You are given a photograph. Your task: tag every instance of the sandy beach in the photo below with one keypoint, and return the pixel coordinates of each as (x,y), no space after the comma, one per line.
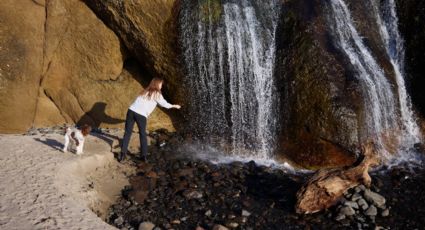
(43,188)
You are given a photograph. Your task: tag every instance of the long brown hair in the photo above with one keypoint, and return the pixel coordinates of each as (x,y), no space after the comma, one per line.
(154,88)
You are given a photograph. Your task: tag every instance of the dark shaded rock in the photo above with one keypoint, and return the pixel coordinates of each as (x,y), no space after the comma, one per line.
(320,119)
(139,195)
(411,15)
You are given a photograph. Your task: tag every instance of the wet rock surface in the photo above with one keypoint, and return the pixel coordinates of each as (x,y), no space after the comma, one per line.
(175,192)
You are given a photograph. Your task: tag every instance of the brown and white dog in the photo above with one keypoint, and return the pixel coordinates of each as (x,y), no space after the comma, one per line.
(77,136)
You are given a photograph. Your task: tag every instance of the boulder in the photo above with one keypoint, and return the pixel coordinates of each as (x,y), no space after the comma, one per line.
(319,101)
(323,103)
(149,31)
(65,66)
(21,61)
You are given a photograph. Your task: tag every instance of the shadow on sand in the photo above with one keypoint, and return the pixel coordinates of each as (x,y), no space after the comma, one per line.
(51,142)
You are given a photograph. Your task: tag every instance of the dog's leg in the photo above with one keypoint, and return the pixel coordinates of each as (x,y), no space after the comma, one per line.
(80,146)
(65,147)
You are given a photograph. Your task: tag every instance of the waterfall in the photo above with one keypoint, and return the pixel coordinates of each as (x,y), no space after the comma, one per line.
(228,51)
(385,113)
(388,28)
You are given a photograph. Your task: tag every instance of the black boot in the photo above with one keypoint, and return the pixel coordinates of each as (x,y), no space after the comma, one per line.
(144,158)
(121,157)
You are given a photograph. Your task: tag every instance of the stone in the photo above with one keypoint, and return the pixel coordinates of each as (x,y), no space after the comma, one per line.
(347,211)
(371,211)
(356,196)
(208,213)
(146,226)
(362,203)
(152,174)
(352,204)
(232,225)
(219,227)
(385,212)
(245,213)
(119,221)
(192,194)
(175,222)
(340,217)
(374,198)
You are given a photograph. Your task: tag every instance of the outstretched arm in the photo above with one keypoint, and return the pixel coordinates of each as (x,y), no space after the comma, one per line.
(163,103)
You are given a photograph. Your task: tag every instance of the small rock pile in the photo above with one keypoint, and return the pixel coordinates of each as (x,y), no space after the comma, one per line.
(361,205)
(44,131)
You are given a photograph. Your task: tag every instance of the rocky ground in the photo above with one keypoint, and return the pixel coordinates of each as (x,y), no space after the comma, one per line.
(172,191)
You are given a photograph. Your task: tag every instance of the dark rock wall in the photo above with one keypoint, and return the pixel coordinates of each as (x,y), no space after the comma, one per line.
(319,97)
(411,15)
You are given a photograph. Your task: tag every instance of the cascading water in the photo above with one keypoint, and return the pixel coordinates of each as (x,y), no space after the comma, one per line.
(385,114)
(395,50)
(228,48)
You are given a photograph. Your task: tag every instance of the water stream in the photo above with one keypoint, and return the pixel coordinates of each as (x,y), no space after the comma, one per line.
(388,116)
(229,52)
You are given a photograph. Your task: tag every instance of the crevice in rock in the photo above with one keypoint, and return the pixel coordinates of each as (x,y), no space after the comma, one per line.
(37,101)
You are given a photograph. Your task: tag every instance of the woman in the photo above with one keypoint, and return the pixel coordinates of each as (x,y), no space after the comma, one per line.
(139,111)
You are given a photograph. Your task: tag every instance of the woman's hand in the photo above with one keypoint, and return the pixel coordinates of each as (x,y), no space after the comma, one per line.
(176,106)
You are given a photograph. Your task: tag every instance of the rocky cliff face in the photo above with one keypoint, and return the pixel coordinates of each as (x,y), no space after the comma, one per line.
(21,62)
(149,30)
(63,64)
(412,26)
(323,98)
(319,101)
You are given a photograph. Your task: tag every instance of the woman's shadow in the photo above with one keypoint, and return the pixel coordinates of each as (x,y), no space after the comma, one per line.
(97,116)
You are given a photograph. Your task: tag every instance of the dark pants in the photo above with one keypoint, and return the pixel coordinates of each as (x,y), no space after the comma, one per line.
(129,124)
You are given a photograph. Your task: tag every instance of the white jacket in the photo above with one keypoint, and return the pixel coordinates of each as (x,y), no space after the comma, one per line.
(144,106)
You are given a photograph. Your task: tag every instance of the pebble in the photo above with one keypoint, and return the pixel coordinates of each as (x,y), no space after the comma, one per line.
(347,211)
(385,212)
(352,204)
(219,227)
(175,222)
(363,204)
(232,225)
(146,226)
(374,198)
(356,196)
(119,221)
(340,217)
(371,211)
(208,213)
(245,213)
(192,194)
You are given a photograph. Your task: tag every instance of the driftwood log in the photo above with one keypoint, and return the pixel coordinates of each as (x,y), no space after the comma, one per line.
(326,187)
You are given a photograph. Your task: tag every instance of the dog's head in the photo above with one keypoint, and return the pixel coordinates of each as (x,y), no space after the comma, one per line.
(85,129)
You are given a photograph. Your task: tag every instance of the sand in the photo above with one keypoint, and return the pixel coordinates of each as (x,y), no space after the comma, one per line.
(43,188)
